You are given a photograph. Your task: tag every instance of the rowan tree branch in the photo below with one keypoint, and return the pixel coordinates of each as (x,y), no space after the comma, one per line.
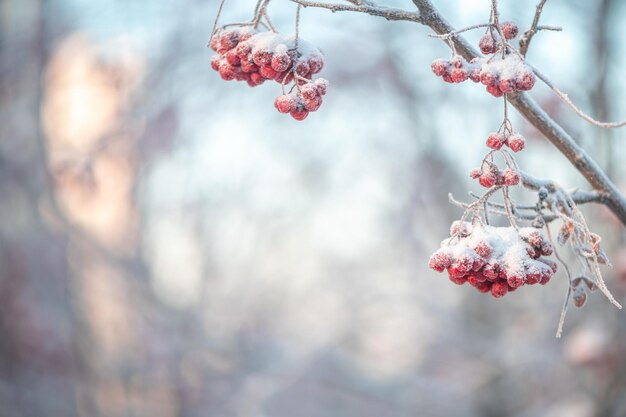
(524,40)
(370,8)
(613,199)
(429,16)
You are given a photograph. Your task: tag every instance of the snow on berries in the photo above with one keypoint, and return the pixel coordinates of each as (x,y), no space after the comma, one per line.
(502,73)
(246,54)
(494,260)
(499,75)
(515,141)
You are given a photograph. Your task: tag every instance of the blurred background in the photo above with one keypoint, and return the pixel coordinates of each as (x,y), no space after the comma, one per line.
(171,246)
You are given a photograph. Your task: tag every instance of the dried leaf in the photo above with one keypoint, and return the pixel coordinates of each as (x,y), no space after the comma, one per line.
(579,297)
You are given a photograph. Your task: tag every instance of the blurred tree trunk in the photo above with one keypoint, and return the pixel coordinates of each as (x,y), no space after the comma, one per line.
(36,324)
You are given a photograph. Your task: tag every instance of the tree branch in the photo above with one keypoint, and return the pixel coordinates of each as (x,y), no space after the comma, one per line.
(524,40)
(388,13)
(538,118)
(429,16)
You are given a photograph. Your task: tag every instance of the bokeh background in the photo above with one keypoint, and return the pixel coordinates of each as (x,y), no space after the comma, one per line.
(171,246)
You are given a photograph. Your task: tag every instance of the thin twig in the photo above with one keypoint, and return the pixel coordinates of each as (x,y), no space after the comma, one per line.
(524,40)
(565,98)
(388,13)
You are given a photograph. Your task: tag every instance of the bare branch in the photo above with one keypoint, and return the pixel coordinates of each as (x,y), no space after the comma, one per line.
(524,41)
(538,118)
(565,98)
(388,13)
(429,16)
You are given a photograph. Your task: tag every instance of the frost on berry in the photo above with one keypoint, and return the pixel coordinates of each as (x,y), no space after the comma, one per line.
(511,177)
(489,177)
(494,90)
(501,75)
(524,79)
(516,142)
(509,30)
(322,86)
(300,113)
(302,68)
(439,261)
(492,259)
(459,75)
(316,63)
(281,62)
(309,91)
(312,104)
(440,67)
(487,44)
(459,228)
(499,289)
(245,54)
(495,140)
(286,103)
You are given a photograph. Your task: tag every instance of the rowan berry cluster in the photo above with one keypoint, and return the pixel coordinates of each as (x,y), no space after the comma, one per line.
(501,73)
(308,98)
(514,141)
(245,54)
(489,175)
(494,260)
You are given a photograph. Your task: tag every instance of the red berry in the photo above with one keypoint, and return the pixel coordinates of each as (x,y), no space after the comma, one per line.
(256,79)
(281,62)
(516,142)
(487,77)
(267,72)
(248,66)
(509,30)
(511,177)
(524,80)
(215,41)
(491,271)
(322,86)
(440,67)
(483,287)
(216,60)
(308,91)
(487,44)
(459,228)
(313,104)
(316,63)
(285,103)
(515,280)
(533,278)
(299,113)
(262,58)
(488,179)
(439,261)
(507,85)
(302,69)
(228,40)
(474,74)
(458,280)
(483,249)
(459,75)
(447,78)
(243,50)
(475,173)
(495,141)
(546,248)
(494,90)
(499,289)
(232,58)
(227,71)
